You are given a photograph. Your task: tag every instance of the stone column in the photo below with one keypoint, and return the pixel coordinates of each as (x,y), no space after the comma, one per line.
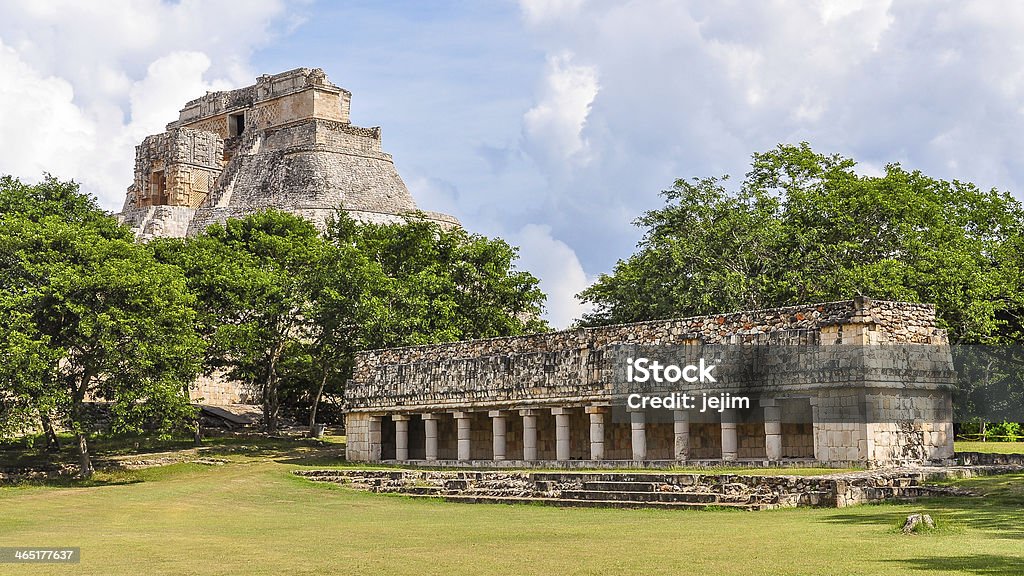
(597,431)
(820,430)
(730,446)
(374,434)
(498,426)
(529,434)
(562,445)
(638,425)
(463,423)
(772,429)
(430,429)
(401,436)
(681,429)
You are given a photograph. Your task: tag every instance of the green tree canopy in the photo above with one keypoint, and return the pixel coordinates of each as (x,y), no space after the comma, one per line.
(443,285)
(254,279)
(285,309)
(806,227)
(87,314)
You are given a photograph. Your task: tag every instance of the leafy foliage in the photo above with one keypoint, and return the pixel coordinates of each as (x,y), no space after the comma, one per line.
(805,227)
(442,285)
(285,308)
(88,314)
(253,281)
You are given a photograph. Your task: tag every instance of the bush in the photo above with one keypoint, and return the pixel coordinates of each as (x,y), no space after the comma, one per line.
(1004,431)
(994,431)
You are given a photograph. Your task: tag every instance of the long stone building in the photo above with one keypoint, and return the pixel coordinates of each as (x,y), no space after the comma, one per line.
(285,142)
(855,382)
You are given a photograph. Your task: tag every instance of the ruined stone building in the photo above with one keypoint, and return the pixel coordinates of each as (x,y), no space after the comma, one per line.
(856,382)
(285,142)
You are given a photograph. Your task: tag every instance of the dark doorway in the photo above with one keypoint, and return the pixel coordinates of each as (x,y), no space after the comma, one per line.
(158,188)
(387,438)
(236,124)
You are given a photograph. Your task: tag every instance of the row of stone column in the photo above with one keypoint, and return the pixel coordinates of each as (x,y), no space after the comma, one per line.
(638,426)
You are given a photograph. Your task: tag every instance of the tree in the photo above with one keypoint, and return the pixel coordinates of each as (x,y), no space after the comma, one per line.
(408,283)
(254,278)
(443,285)
(88,315)
(805,227)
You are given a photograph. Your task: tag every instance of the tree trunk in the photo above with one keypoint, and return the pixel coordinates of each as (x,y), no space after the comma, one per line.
(316,402)
(270,400)
(52,440)
(85,469)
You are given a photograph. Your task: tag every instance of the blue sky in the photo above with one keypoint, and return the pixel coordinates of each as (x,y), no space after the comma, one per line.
(550,123)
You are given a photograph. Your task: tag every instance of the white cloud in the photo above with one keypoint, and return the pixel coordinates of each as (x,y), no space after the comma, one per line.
(170,82)
(692,88)
(554,127)
(561,275)
(434,194)
(39,120)
(82,83)
(539,12)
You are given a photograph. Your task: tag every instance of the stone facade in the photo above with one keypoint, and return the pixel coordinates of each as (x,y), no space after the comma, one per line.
(550,397)
(667,490)
(285,142)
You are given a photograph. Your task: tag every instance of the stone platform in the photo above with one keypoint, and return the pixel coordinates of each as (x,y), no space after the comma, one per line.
(609,464)
(658,489)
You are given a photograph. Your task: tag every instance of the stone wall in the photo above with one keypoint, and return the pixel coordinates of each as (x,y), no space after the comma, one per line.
(176,168)
(158,221)
(217,390)
(662,490)
(273,100)
(577,365)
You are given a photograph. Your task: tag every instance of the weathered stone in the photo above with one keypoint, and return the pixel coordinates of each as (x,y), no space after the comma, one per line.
(285,142)
(845,409)
(916,521)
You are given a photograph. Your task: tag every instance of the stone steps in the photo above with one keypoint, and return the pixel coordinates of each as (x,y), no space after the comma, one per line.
(625,491)
(649,496)
(616,486)
(583,503)
(645,489)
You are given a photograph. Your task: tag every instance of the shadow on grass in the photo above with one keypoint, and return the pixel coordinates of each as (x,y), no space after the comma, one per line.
(996,510)
(986,564)
(298,451)
(34,467)
(70,482)
(333,457)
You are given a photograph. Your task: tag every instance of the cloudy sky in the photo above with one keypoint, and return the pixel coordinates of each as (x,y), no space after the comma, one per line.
(550,123)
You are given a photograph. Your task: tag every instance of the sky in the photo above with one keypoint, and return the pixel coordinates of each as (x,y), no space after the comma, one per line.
(550,123)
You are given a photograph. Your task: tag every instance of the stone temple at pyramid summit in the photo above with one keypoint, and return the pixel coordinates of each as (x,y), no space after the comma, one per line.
(285,142)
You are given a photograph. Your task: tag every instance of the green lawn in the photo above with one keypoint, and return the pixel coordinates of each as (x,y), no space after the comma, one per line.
(995,447)
(252,516)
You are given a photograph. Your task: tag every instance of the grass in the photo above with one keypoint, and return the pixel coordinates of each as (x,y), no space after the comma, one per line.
(252,516)
(993,447)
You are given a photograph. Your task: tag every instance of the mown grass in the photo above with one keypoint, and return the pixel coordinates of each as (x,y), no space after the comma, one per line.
(253,516)
(991,447)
